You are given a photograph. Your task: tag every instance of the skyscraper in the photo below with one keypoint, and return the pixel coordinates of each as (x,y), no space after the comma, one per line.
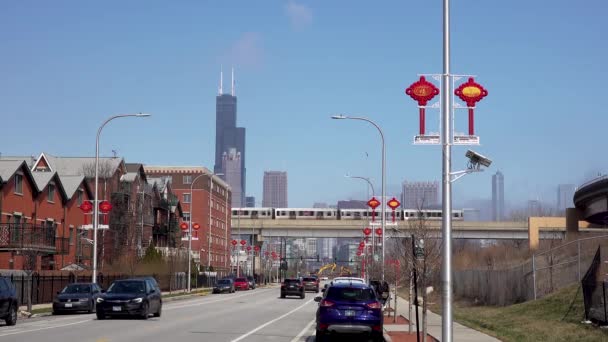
(249,201)
(565,193)
(228,136)
(231,165)
(420,195)
(275,189)
(498,196)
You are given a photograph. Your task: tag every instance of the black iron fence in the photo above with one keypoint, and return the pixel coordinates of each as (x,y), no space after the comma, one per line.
(41,289)
(27,236)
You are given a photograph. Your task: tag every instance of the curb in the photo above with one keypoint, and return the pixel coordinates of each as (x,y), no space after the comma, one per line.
(386,336)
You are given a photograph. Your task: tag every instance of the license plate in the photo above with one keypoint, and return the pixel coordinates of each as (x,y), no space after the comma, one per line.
(349,313)
(116,308)
(68,305)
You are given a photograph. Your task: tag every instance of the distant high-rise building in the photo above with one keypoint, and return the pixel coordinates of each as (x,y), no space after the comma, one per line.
(423,195)
(325,247)
(320,205)
(231,165)
(534,208)
(471,214)
(228,136)
(352,204)
(250,202)
(565,194)
(498,197)
(275,189)
(311,247)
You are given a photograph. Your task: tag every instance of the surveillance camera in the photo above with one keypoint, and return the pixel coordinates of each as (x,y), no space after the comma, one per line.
(477,158)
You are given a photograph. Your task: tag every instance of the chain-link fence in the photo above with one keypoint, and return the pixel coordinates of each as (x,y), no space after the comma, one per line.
(542,274)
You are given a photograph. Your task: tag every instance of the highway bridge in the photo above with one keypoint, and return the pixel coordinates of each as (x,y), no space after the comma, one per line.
(591,201)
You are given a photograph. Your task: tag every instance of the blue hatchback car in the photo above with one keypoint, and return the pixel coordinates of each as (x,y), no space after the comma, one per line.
(347,308)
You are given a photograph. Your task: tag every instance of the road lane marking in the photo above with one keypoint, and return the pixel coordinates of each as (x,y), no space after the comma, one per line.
(270,322)
(44,328)
(304,331)
(210,301)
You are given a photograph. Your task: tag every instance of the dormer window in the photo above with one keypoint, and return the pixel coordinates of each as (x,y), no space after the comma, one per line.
(51,193)
(19,184)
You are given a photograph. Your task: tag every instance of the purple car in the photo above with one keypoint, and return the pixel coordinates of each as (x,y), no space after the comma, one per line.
(348,308)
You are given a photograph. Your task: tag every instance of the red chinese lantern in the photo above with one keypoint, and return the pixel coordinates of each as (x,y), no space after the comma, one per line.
(373,203)
(196,226)
(243,242)
(360,248)
(471,92)
(393,204)
(184,226)
(86,206)
(256,248)
(248,248)
(234,242)
(361,244)
(379,231)
(105,207)
(422,91)
(359,253)
(367,231)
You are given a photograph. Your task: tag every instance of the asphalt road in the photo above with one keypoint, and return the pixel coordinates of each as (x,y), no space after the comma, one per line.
(256,315)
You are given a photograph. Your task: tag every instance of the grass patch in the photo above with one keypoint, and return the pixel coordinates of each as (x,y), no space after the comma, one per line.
(193,293)
(547,319)
(42,311)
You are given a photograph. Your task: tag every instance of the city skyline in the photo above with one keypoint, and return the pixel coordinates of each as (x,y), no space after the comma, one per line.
(279,75)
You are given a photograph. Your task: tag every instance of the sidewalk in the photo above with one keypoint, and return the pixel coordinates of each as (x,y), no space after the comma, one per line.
(461,333)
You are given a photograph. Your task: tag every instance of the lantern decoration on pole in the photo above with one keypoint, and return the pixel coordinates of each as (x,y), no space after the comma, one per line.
(358,253)
(243,243)
(373,203)
(256,249)
(248,249)
(367,231)
(393,204)
(361,244)
(379,231)
(183,226)
(105,207)
(422,91)
(196,226)
(234,243)
(86,208)
(471,92)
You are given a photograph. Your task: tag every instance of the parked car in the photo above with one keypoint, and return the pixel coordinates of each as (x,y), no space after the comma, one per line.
(224,285)
(311,284)
(130,297)
(241,284)
(8,301)
(76,297)
(251,281)
(349,308)
(292,287)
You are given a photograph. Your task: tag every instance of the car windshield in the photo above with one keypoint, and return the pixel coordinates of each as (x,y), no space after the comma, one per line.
(291,281)
(310,279)
(77,288)
(350,294)
(240,280)
(127,287)
(223,282)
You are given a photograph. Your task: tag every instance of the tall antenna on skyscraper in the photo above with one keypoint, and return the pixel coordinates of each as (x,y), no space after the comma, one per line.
(221,90)
(233,94)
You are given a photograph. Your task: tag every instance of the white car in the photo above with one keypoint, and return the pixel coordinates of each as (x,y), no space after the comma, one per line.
(348,280)
(324,278)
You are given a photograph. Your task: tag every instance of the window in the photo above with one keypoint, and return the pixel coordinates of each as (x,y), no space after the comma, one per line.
(18,184)
(51,193)
(71,236)
(17,219)
(80,196)
(186,216)
(187,198)
(187,179)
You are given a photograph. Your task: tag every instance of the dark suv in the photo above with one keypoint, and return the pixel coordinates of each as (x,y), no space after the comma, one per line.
(133,297)
(311,284)
(349,308)
(292,287)
(8,301)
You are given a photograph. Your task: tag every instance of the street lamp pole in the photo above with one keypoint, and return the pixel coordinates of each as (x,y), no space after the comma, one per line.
(446,138)
(383,222)
(96,198)
(190,230)
(371,186)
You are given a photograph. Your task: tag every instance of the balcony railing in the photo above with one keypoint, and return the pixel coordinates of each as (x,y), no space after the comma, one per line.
(21,236)
(62,245)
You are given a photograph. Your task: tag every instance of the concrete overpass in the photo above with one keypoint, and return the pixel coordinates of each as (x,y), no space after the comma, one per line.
(591,201)
(263,228)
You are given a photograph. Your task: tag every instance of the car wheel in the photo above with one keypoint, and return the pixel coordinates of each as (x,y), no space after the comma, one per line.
(282,295)
(100,315)
(377,337)
(320,336)
(145,311)
(302,296)
(11,319)
(158,313)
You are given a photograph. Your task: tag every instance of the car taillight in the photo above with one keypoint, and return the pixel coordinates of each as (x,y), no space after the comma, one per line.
(282,284)
(374,305)
(326,303)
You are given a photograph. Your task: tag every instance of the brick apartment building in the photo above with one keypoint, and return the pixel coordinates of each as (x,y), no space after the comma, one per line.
(210,209)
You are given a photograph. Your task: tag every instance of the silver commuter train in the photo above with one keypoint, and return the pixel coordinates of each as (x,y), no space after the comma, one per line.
(338,214)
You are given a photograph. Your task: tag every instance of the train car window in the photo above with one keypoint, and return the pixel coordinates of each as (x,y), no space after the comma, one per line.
(234,212)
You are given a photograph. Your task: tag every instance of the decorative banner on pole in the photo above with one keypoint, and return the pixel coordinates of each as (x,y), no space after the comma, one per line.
(184,226)
(373,203)
(105,207)
(471,92)
(422,91)
(393,204)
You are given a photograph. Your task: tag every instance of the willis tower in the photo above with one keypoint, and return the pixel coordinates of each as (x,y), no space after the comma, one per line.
(229,141)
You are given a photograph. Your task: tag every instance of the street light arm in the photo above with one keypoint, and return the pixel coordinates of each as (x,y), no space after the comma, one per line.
(365,179)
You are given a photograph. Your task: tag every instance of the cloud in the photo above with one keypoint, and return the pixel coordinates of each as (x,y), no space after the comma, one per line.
(247,51)
(299,15)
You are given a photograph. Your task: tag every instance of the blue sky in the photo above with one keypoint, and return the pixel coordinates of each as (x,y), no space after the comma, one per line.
(67,65)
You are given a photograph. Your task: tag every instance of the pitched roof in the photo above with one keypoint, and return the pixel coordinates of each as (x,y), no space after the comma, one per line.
(71,184)
(43,178)
(8,168)
(76,166)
